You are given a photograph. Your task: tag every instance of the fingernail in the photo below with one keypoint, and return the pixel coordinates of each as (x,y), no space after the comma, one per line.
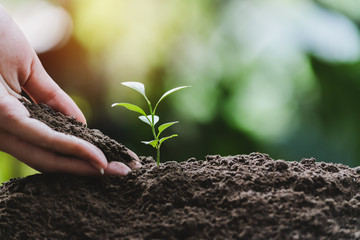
(117,168)
(126,171)
(134,164)
(137,165)
(102,171)
(133,155)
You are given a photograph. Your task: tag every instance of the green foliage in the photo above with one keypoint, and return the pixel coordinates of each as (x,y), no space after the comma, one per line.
(150,119)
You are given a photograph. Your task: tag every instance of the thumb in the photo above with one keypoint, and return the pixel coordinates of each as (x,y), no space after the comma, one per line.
(42,89)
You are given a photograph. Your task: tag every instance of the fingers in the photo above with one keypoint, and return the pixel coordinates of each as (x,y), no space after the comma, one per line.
(47,161)
(134,164)
(42,159)
(15,119)
(42,89)
(117,168)
(8,88)
(44,136)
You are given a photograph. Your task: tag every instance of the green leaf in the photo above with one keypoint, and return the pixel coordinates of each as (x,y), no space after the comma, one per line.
(152,142)
(148,119)
(168,93)
(166,138)
(137,86)
(131,107)
(165,126)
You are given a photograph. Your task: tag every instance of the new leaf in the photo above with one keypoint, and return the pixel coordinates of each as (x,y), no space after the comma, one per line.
(148,119)
(139,87)
(131,107)
(168,93)
(152,143)
(166,138)
(165,126)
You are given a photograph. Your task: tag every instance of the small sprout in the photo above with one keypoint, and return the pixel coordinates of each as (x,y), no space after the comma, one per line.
(150,119)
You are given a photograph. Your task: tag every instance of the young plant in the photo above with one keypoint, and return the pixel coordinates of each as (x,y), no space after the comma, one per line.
(152,118)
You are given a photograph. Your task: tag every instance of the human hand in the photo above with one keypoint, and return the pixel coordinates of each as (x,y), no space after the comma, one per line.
(30,140)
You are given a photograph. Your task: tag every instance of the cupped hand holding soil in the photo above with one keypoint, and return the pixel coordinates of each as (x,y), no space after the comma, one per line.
(120,159)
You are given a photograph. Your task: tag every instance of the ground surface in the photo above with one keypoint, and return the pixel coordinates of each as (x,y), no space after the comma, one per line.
(235,197)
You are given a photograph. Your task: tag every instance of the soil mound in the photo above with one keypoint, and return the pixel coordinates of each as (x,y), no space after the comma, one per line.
(234,197)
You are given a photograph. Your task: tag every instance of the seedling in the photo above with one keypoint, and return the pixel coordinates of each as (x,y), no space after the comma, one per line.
(152,118)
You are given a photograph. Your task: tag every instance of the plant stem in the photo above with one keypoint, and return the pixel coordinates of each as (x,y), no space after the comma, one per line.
(158,155)
(154,133)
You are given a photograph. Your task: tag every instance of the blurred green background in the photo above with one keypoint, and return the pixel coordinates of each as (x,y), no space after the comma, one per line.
(273,76)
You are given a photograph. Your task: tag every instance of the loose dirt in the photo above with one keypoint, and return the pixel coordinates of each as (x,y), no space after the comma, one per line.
(233,197)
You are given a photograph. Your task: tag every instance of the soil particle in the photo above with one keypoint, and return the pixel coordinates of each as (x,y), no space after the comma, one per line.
(234,197)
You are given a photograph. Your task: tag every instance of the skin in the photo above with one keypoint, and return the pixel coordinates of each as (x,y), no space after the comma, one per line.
(29,140)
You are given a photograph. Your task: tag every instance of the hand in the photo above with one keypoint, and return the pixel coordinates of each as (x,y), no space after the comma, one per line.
(27,139)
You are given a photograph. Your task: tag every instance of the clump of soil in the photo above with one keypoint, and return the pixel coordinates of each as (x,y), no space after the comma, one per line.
(234,197)
(113,150)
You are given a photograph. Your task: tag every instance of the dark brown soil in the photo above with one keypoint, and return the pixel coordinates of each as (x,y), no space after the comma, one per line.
(235,197)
